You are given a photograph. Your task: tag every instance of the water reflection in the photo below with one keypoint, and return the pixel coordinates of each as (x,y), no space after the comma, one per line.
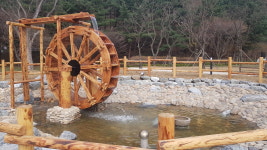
(120,124)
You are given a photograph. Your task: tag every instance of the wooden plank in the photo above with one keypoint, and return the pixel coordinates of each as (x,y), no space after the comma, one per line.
(23,25)
(73,18)
(14,129)
(63,144)
(213,140)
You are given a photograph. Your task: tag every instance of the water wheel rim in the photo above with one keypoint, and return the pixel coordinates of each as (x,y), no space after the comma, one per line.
(94,65)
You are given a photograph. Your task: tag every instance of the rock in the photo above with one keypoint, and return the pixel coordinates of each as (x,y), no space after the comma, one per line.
(258,88)
(163,80)
(135,77)
(63,115)
(121,78)
(155,88)
(154,79)
(226,113)
(145,78)
(196,80)
(252,98)
(194,91)
(68,135)
(35,85)
(4,84)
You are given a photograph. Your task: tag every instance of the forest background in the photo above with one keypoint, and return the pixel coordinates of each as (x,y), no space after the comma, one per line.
(165,28)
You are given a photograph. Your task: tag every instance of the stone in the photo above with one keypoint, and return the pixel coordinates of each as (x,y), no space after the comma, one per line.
(258,88)
(154,79)
(63,115)
(194,91)
(121,78)
(68,135)
(163,80)
(145,78)
(155,88)
(135,77)
(252,98)
(35,85)
(4,84)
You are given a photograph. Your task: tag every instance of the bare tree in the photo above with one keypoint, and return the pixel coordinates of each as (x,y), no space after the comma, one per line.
(17,9)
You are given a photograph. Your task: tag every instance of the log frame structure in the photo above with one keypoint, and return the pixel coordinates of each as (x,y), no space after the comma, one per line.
(81,64)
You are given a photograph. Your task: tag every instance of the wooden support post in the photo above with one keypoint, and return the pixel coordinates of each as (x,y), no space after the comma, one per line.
(24,62)
(166,126)
(200,65)
(3,69)
(124,65)
(230,65)
(149,65)
(65,88)
(42,63)
(174,67)
(11,65)
(213,140)
(261,69)
(24,118)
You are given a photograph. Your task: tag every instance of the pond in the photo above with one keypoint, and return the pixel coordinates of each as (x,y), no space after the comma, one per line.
(120,124)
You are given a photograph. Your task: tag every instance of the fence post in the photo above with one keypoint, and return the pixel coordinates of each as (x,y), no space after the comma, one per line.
(174,67)
(230,64)
(149,65)
(260,69)
(124,65)
(24,118)
(166,126)
(3,69)
(200,65)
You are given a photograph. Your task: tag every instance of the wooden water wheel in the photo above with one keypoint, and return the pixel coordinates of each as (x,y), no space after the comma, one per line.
(93,63)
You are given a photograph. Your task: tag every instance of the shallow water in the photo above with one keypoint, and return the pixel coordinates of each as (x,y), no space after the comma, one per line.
(120,124)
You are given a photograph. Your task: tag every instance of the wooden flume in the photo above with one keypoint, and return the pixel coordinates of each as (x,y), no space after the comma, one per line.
(81,64)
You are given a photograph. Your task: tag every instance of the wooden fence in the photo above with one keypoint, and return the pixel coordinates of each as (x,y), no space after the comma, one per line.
(22,134)
(199,63)
(259,66)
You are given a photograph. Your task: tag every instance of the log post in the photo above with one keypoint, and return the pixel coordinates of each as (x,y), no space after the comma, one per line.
(42,63)
(166,126)
(65,88)
(174,67)
(124,65)
(149,65)
(200,66)
(11,65)
(261,69)
(24,62)
(3,69)
(14,129)
(230,65)
(24,118)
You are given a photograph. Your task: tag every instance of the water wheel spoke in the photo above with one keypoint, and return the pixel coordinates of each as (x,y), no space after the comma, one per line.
(87,56)
(88,94)
(94,72)
(56,57)
(72,45)
(82,46)
(87,76)
(66,53)
(94,59)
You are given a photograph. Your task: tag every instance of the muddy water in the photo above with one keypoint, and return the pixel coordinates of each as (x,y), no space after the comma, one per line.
(120,124)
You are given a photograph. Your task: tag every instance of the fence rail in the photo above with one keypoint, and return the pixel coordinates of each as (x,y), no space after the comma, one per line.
(173,67)
(229,70)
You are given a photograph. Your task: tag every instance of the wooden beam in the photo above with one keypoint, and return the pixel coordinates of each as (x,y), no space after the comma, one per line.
(73,18)
(14,129)
(63,144)
(23,25)
(213,140)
